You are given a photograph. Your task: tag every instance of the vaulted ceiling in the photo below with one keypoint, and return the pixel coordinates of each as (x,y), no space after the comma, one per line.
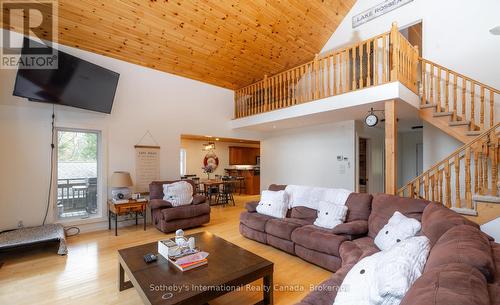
(229,43)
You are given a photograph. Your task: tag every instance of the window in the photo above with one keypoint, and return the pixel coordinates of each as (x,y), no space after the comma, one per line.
(77,172)
(183,161)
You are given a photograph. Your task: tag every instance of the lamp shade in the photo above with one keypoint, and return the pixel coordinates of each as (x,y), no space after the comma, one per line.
(121,179)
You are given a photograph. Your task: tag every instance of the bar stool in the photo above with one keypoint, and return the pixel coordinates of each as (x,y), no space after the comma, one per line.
(242,184)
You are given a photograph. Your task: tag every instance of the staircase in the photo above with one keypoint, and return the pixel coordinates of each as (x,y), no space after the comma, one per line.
(467,176)
(454,103)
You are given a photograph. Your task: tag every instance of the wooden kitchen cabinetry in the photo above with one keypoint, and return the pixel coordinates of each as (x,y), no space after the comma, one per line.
(243,155)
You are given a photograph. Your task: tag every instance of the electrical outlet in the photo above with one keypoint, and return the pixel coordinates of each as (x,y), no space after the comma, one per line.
(20,224)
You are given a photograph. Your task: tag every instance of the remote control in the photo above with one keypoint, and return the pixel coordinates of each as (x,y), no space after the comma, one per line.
(149,258)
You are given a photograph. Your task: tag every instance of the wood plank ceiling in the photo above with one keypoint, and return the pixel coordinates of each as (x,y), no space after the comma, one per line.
(228,43)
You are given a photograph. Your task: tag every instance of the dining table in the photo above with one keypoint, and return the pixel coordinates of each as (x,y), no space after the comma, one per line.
(206,184)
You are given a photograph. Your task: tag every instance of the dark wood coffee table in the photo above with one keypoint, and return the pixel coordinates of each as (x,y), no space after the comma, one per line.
(229,267)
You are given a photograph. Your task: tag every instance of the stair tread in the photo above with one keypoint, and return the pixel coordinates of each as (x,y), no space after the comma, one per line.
(427,106)
(440,114)
(486,198)
(459,123)
(473,132)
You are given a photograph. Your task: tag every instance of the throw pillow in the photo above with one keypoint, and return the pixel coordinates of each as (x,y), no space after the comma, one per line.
(178,193)
(386,276)
(396,230)
(273,204)
(330,215)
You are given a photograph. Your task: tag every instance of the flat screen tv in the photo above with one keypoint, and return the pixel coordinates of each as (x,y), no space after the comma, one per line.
(76,83)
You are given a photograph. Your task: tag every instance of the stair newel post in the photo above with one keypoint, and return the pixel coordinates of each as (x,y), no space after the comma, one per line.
(394,51)
(447,176)
(457,181)
(266,93)
(440,185)
(494,163)
(468,192)
(316,76)
(486,156)
(464,103)
(415,72)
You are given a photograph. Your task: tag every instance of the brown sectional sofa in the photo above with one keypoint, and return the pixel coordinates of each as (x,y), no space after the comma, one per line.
(463,267)
(167,218)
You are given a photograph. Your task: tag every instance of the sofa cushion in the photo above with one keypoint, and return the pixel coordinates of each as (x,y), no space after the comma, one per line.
(384,206)
(156,188)
(452,284)
(367,246)
(273,204)
(353,228)
(437,219)
(277,187)
(252,206)
(359,206)
(159,204)
(318,239)
(185,211)
(255,221)
(396,230)
(463,244)
(304,213)
(330,215)
(253,234)
(327,261)
(283,228)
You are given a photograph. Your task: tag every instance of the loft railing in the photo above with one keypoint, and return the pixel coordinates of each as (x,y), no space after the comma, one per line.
(471,169)
(466,99)
(384,58)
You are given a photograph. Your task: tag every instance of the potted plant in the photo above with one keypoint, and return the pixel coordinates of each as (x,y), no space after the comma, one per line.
(208,170)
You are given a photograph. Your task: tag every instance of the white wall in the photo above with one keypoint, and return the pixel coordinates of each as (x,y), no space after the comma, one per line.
(407,155)
(308,156)
(146,99)
(195,156)
(437,145)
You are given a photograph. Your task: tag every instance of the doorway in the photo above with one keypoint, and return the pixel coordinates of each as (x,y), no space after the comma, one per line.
(363,157)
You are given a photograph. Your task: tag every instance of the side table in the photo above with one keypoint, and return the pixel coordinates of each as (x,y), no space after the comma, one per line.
(132,206)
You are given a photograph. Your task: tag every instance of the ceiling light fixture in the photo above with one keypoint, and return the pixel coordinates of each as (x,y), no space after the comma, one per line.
(495,30)
(208,146)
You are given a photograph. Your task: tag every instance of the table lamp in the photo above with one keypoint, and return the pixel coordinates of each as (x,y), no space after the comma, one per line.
(120,185)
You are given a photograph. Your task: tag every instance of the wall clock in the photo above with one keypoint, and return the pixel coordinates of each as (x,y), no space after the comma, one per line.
(371,120)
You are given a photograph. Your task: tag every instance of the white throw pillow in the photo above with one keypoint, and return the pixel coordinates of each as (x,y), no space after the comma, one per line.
(178,193)
(396,230)
(330,215)
(273,204)
(385,277)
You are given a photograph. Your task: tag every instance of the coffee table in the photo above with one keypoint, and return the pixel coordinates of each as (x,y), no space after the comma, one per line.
(229,268)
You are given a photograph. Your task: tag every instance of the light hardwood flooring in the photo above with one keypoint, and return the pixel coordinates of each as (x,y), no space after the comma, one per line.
(89,273)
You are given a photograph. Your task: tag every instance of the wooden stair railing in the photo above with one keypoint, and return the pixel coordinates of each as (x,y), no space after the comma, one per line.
(465,101)
(470,170)
(381,59)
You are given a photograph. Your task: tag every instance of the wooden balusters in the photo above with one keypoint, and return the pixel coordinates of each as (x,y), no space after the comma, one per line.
(438,89)
(494,164)
(423,68)
(492,108)
(468,192)
(431,84)
(447,91)
(455,109)
(481,109)
(464,89)
(476,172)
(447,175)
(353,68)
(472,108)
(456,162)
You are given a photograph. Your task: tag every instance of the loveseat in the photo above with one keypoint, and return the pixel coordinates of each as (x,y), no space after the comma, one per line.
(168,218)
(463,266)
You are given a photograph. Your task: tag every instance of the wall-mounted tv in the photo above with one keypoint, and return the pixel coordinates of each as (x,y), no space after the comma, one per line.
(76,83)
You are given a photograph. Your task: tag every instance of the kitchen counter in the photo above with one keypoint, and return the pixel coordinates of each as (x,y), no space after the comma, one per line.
(252,178)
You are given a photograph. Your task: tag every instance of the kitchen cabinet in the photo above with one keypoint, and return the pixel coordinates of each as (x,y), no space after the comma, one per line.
(243,155)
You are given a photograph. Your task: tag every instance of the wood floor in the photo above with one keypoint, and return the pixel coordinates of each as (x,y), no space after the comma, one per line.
(89,273)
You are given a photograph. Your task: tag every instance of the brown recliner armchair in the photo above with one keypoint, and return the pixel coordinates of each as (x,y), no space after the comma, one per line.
(168,218)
